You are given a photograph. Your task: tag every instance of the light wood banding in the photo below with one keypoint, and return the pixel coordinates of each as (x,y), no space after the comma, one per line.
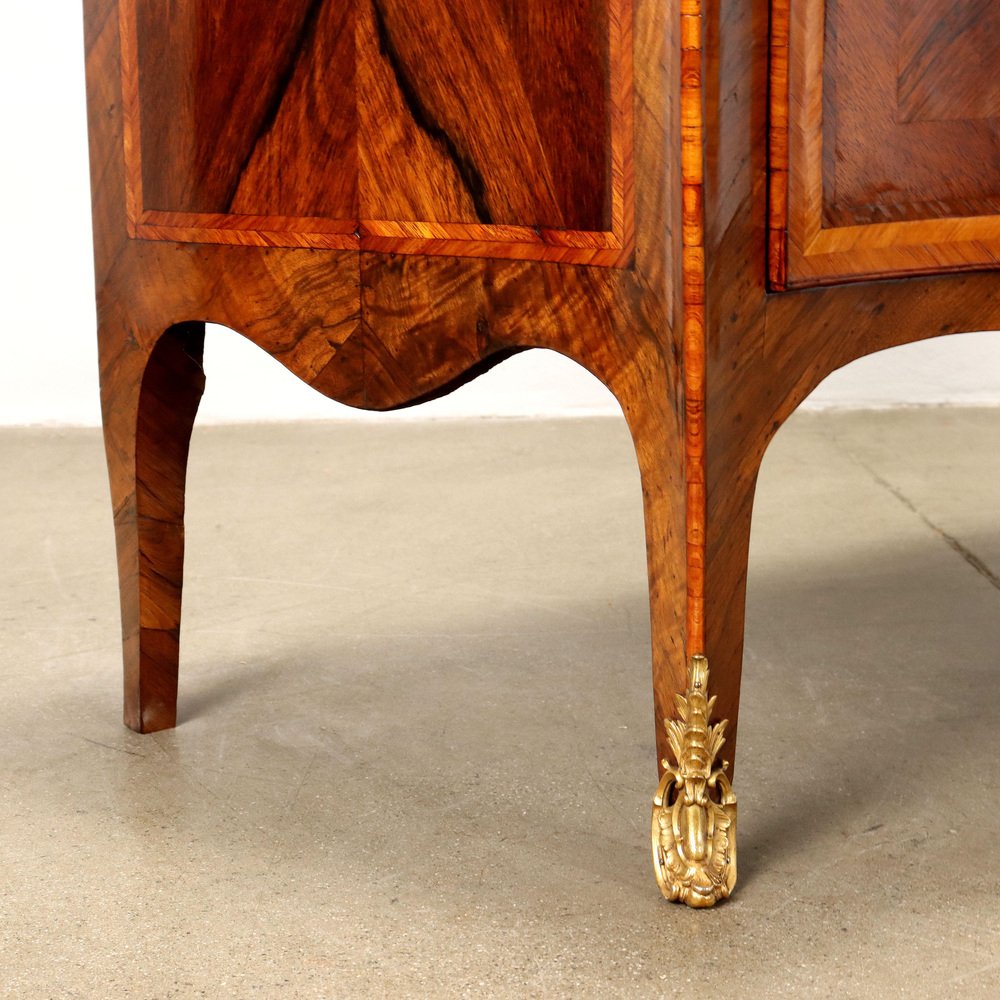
(869,176)
(535,162)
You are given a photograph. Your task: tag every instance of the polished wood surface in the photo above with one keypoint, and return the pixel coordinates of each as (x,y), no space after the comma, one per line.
(905,136)
(692,165)
(885,139)
(691,99)
(766,352)
(488,128)
(381,330)
(947,62)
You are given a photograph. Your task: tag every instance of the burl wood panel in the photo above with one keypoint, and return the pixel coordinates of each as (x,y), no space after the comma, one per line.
(489,127)
(885,138)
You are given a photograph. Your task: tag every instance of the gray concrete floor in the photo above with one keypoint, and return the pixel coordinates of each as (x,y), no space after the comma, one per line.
(415,754)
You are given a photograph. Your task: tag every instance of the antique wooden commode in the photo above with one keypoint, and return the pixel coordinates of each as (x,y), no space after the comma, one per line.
(710,204)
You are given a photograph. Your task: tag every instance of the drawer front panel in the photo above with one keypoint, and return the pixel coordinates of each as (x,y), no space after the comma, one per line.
(482,127)
(885,139)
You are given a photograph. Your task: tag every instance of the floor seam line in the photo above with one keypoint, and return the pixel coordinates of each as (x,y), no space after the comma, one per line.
(950,540)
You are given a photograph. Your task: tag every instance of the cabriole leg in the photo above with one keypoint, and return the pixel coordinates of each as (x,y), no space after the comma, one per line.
(149,405)
(694,813)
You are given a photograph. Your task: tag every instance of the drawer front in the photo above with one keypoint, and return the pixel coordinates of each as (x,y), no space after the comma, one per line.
(885,138)
(472,127)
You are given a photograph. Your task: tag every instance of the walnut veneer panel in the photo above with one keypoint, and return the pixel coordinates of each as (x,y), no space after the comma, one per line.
(885,146)
(365,124)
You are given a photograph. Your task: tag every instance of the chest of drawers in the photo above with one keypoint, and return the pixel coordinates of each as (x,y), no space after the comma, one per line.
(709,204)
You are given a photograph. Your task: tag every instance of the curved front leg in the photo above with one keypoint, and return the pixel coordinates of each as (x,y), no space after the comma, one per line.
(149,401)
(658,438)
(697,589)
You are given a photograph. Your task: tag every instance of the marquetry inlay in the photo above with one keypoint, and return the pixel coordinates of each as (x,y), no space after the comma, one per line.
(488,128)
(951,74)
(885,139)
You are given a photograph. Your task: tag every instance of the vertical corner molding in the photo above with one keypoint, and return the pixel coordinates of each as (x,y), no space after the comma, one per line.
(693,310)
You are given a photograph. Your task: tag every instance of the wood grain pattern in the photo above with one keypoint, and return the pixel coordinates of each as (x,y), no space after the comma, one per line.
(155,411)
(693,305)
(777,154)
(881,164)
(947,62)
(533,163)
(380,329)
(705,360)
(766,352)
(870,177)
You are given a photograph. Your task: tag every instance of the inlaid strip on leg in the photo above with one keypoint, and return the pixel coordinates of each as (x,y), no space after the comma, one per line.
(694,810)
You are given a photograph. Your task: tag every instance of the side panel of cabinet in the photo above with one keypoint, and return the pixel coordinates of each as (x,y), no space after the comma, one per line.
(480,127)
(885,139)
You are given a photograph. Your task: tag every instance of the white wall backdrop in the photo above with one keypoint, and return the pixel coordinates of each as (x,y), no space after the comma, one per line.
(48,372)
